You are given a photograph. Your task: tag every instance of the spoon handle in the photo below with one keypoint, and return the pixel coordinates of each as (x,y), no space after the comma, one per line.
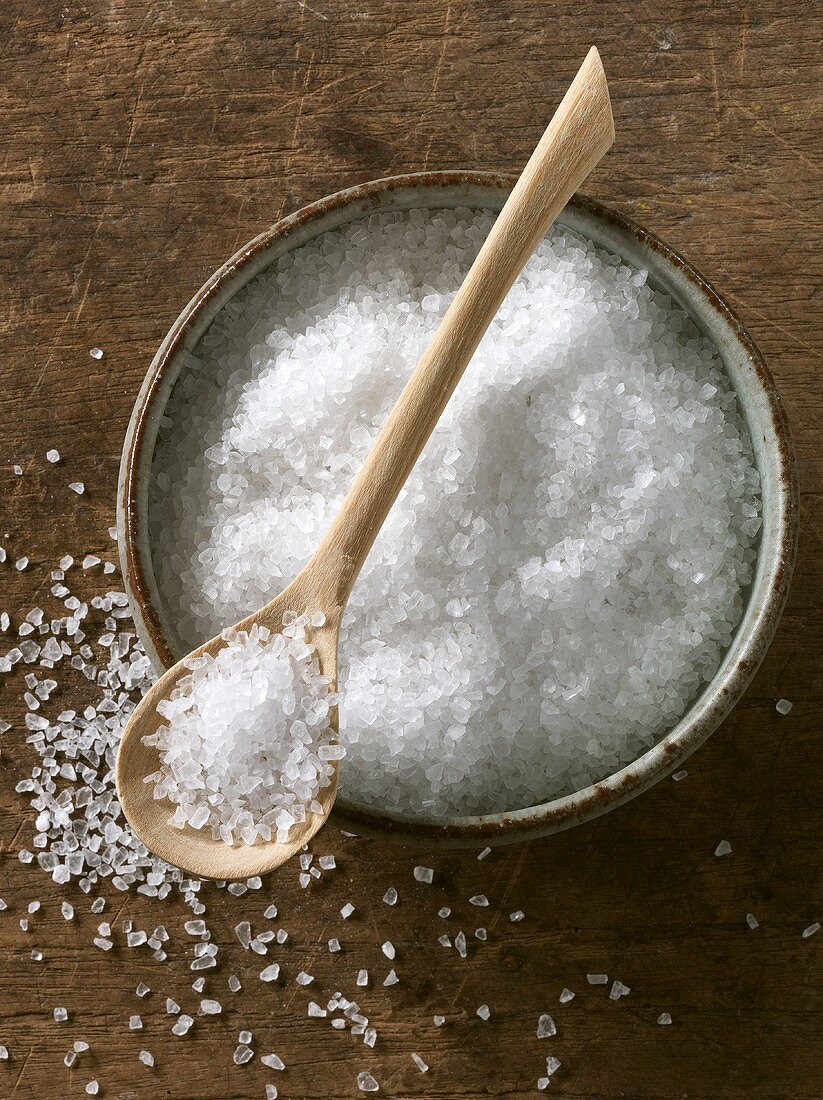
(578,135)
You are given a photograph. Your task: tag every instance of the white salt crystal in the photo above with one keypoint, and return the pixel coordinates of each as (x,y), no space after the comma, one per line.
(516,916)
(334,945)
(391,978)
(388,949)
(752,921)
(347,910)
(484,853)
(479,899)
(135,1023)
(597,979)
(680,775)
(423,874)
(664,1018)
(271,912)
(272,1061)
(77,487)
(210,1007)
(618,990)
(366,1083)
(439,1020)
(566,996)
(545,1026)
(552,1065)
(96,353)
(146,1057)
(444,912)
(723,848)
(61,1015)
(783,706)
(270,974)
(271,1092)
(92,1088)
(362,977)
(810,931)
(484,1012)
(242,1055)
(390,896)
(418,1061)
(303,978)
(182,1024)
(53,455)
(4,1053)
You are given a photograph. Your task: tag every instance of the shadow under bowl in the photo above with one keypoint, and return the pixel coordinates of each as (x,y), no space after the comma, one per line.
(759,404)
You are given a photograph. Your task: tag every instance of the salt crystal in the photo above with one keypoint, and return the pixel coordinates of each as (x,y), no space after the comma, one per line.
(270,974)
(92,1088)
(53,455)
(597,979)
(209,1007)
(135,1023)
(362,977)
(146,1057)
(680,775)
(96,353)
(484,1012)
(77,487)
(418,1061)
(272,1061)
(479,899)
(242,1055)
(423,874)
(347,910)
(388,949)
(366,1083)
(664,1018)
(439,1020)
(752,921)
(390,896)
(566,996)
(618,990)
(545,1026)
(516,916)
(391,978)
(810,931)
(61,1015)
(182,1024)
(783,706)
(723,848)
(484,853)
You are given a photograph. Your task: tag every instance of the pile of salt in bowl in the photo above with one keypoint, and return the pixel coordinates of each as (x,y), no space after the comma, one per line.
(564,568)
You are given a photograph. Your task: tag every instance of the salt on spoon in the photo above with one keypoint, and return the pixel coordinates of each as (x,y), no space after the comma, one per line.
(580,132)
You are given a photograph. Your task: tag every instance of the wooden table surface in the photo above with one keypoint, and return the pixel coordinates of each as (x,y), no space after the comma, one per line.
(142,142)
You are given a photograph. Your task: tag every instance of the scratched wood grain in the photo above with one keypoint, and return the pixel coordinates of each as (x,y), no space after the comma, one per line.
(142,141)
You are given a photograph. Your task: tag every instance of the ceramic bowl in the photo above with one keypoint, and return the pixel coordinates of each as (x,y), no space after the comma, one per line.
(759,402)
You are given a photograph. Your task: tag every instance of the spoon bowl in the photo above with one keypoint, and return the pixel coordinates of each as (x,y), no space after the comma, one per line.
(195,850)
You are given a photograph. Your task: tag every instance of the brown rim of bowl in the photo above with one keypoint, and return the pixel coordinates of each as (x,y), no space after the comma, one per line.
(717,697)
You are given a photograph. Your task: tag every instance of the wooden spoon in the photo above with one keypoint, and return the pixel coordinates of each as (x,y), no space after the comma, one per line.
(577,137)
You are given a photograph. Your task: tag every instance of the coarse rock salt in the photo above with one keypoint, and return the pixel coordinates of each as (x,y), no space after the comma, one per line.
(566,564)
(247,743)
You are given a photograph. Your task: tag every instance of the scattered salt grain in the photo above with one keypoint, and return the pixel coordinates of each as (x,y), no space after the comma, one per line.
(4,1053)
(516,916)
(545,1026)
(810,931)
(680,775)
(182,1024)
(479,899)
(53,455)
(391,978)
(270,974)
(60,1015)
(752,921)
(439,1020)
(362,977)
(484,853)
(783,706)
(272,1061)
(664,1018)
(566,995)
(618,990)
(242,1055)
(92,1088)
(597,979)
(484,1012)
(552,1065)
(723,848)
(334,945)
(96,353)
(418,1061)
(146,1057)
(209,1007)
(77,487)
(388,949)
(423,874)
(390,896)
(347,910)
(135,1023)
(444,912)
(366,1083)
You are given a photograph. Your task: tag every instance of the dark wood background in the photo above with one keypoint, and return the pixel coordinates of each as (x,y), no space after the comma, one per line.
(144,140)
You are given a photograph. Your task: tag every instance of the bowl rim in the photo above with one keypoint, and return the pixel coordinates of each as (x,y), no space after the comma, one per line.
(753,633)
